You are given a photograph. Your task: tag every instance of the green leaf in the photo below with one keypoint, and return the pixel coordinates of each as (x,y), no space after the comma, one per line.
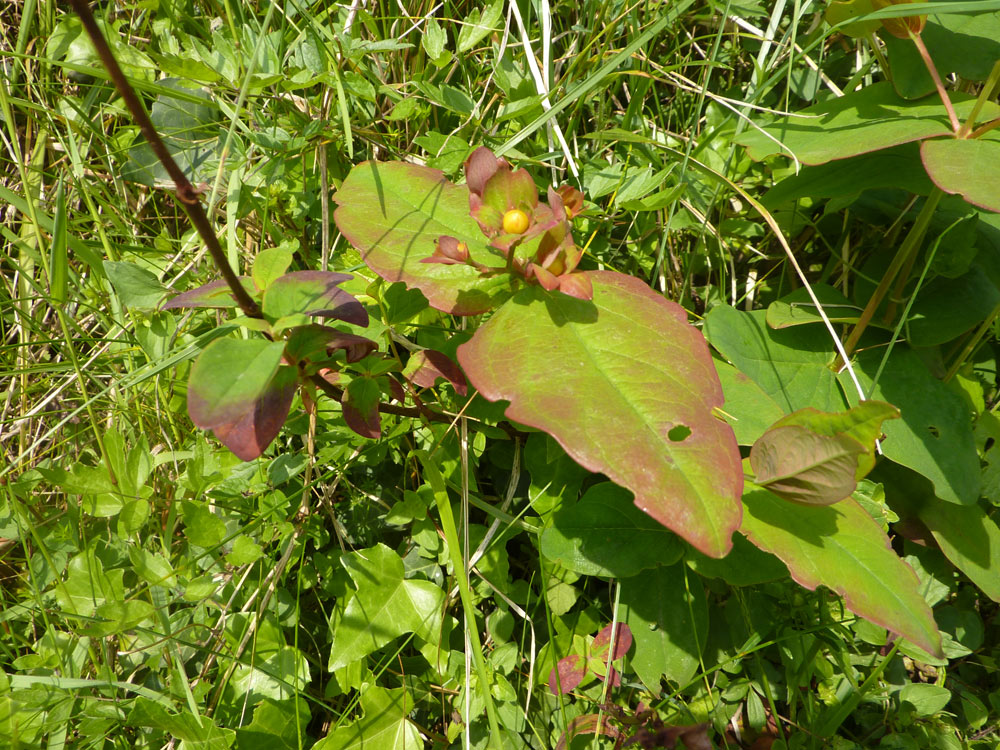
(394,214)
(119,617)
(433,41)
(846,10)
(962,43)
(842,548)
(313,293)
(924,699)
(745,565)
(969,538)
(870,119)
(384,725)
(58,258)
(476,26)
(203,527)
(797,308)
(606,535)
(270,264)
(245,551)
(934,436)
(627,387)
(228,377)
(667,613)
(791,366)
(385,606)
(249,434)
(152,567)
(895,168)
(276,725)
(965,167)
(748,410)
(136,286)
(88,585)
(196,732)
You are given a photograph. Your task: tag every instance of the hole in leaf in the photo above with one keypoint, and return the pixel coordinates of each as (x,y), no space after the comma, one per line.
(679,433)
(934,430)
(988,444)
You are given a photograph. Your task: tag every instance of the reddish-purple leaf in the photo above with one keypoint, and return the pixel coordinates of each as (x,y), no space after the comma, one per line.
(395,213)
(567,675)
(311,339)
(249,436)
(602,641)
(627,387)
(843,548)
(427,365)
(229,377)
(313,293)
(215,294)
(803,466)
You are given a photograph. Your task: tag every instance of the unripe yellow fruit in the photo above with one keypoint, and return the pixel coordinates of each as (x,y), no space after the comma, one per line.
(515,221)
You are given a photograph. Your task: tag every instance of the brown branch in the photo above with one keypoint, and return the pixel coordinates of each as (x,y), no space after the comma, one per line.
(187,194)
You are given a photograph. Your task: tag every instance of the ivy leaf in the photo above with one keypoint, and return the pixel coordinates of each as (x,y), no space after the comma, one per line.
(395,212)
(384,724)
(841,547)
(627,388)
(385,606)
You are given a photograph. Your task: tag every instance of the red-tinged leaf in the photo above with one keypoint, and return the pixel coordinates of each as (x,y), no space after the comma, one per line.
(602,641)
(360,407)
(576,284)
(965,167)
(397,390)
(841,547)
(215,294)
(802,466)
(395,212)
(862,422)
(249,436)
(567,675)
(426,366)
(228,378)
(627,388)
(313,293)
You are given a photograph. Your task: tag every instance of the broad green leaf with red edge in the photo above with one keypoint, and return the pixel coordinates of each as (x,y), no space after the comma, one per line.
(228,378)
(965,167)
(802,466)
(871,119)
(627,387)
(214,294)
(395,213)
(313,293)
(312,340)
(249,435)
(841,547)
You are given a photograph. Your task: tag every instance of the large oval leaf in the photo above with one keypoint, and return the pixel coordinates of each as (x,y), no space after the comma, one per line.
(842,548)
(964,167)
(627,388)
(313,293)
(394,213)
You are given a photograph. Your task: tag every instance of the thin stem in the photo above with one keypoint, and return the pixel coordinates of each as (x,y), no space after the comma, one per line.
(956,126)
(985,94)
(910,245)
(187,194)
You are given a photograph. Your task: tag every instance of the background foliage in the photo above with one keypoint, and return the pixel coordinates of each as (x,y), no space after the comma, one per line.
(159,591)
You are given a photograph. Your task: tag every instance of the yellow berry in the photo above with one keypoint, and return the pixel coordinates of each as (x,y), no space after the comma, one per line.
(515,221)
